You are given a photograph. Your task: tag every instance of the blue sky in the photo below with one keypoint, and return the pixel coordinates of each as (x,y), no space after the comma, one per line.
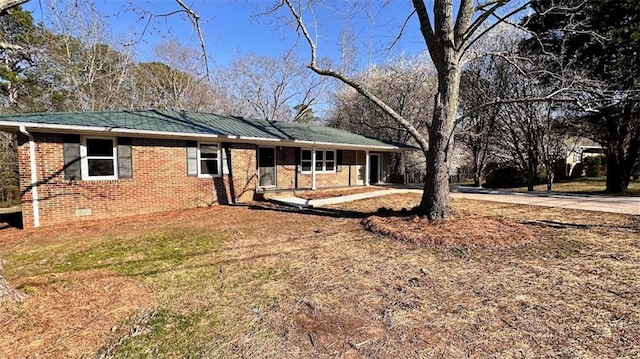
(233,28)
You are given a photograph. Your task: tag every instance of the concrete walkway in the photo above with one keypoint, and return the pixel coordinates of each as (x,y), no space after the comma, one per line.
(315,203)
(611,204)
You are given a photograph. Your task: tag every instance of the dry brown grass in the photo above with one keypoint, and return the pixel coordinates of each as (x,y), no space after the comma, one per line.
(312,284)
(586,185)
(69,314)
(463,231)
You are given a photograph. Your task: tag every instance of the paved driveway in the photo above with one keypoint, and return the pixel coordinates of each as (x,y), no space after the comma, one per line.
(612,204)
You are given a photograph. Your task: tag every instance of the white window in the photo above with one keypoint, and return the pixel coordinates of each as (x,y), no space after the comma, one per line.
(325,160)
(99,159)
(208,160)
(330,161)
(305,161)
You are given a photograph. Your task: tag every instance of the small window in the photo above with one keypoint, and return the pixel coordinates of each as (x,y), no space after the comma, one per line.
(330,161)
(319,161)
(209,160)
(99,158)
(305,163)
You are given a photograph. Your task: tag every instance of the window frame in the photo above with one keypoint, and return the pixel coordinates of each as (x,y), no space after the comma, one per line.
(218,159)
(323,161)
(308,161)
(84,159)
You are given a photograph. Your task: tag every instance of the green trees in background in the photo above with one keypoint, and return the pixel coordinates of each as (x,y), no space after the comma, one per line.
(589,51)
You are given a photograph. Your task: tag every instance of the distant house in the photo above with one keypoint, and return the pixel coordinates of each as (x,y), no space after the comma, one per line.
(580,149)
(81,165)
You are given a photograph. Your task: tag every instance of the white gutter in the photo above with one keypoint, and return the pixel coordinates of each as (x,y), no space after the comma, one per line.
(34,177)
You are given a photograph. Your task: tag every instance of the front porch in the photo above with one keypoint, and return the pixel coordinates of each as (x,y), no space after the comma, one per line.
(291,168)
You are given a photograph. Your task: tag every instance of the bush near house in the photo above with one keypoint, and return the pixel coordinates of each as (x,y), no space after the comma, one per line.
(595,166)
(510,177)
(506,177)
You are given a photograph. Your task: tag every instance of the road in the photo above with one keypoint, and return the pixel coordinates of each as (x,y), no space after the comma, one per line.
(601,203)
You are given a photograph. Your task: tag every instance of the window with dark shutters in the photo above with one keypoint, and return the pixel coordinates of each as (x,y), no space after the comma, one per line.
(99,157)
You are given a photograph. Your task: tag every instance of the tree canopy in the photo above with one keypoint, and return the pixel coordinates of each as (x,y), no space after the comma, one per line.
(590,50)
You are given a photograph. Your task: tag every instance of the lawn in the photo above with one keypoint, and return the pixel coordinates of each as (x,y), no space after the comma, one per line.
(590,185)
(261,281)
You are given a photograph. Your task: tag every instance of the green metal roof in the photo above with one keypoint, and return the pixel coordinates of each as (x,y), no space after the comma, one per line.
(186,123)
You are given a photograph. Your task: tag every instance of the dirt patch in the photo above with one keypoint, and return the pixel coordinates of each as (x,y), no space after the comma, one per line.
(322,194)
(70,314)
(334,332)
(461,231)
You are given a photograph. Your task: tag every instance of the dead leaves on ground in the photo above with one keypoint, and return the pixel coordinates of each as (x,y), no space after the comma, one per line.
(69,314)
(458,232)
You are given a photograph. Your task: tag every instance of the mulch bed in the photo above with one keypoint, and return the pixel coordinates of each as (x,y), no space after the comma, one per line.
(461,231)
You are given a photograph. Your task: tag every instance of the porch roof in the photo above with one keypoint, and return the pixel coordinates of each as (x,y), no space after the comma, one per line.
(177,123)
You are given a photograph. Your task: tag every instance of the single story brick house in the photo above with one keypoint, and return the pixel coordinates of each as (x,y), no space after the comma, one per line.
(92,165)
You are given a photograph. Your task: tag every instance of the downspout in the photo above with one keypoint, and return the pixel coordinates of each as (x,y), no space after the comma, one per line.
(34,177)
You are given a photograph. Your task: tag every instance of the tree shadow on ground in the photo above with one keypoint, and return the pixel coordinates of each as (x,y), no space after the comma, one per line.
(329,212)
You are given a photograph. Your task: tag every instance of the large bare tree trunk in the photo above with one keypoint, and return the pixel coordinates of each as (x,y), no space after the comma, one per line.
(7,292)
(623,148)
(445,42)
(617,178)
(435,203)
(447,39)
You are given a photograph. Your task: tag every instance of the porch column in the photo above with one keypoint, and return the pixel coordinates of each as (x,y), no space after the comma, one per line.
(367,164)
(313,169)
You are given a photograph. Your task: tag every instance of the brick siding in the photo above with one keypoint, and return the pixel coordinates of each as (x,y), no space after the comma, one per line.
(160,181)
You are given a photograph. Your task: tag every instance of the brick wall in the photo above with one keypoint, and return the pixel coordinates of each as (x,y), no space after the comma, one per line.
(159,182)
(289,177)
(243,172)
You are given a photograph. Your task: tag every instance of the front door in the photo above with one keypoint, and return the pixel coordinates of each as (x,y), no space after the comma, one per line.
(374,169)
(267,166)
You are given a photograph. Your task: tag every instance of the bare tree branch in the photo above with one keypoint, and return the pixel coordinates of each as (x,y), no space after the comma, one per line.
(8,46)
(426,29)
(422,142)
(464,17)
(500,19)
(195,18)
(404,26)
